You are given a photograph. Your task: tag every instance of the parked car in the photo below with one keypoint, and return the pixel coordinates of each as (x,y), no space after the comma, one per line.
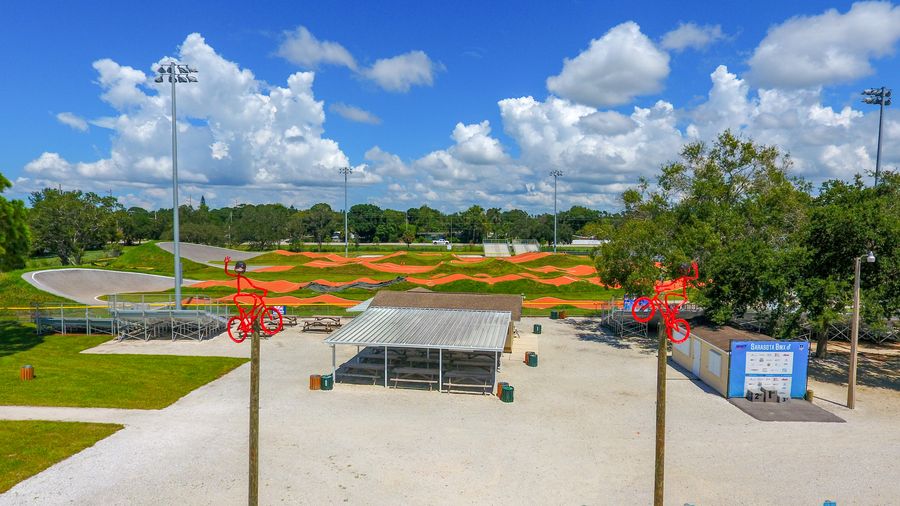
(440,242)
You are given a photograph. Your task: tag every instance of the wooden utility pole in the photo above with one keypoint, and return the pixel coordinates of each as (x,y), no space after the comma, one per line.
(659,479)
(253,471)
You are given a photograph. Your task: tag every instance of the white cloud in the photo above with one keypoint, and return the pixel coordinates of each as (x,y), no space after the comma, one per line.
(401,72)
(617,67)
(396,74)
(302,48)
(475,145)
(354,114)
(829,48)
(690,35)
(71,120)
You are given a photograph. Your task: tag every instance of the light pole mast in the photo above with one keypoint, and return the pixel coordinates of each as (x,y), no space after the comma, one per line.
(346,171)
(882,97)
(556,174)
(175,73)
(854,331)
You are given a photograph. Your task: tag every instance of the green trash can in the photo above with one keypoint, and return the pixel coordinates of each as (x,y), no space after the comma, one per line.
(537,328)
(532,359)
(327,381)
(554,315)
(507,394)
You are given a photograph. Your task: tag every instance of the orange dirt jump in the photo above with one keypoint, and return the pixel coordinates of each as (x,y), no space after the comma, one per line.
(548,302)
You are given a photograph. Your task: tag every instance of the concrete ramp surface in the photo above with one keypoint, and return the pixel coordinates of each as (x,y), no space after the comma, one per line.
(86,285)
(202,253)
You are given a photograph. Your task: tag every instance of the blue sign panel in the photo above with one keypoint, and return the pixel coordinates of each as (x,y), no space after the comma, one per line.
(773,365)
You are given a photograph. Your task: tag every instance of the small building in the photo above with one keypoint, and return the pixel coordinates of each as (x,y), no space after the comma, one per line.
(732,361)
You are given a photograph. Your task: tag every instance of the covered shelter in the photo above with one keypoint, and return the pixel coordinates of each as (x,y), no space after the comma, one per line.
(447,340)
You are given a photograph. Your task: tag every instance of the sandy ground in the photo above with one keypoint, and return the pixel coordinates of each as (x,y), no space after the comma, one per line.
(581,431)
(86,285)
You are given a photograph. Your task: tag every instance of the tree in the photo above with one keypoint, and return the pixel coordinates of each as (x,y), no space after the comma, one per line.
(409,235)
(846,221)
(15,237)
(364,220)
(264,225)
(137,224)
(732,207)
(474,224)
(319,221)
(67,223)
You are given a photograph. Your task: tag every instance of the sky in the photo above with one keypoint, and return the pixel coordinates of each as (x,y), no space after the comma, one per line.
(447,104)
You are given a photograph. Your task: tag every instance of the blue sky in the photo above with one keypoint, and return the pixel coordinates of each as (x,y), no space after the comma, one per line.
(430,101)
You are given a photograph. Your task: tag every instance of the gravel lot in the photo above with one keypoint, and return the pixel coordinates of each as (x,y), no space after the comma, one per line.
(579,432)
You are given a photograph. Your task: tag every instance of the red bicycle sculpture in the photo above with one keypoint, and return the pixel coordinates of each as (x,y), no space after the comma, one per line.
(644,308)
(269,318)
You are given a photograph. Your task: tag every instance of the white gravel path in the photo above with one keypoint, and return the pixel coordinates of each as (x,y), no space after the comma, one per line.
(579,432)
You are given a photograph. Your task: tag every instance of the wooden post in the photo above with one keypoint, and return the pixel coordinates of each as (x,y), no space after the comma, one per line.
(659,478)
(253,492)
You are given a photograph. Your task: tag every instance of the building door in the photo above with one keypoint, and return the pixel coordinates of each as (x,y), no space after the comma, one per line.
(695,363)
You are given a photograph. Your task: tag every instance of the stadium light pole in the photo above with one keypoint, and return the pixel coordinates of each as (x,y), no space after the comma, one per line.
(854,331)
(556,175)
(175,73)
(882,97)
(346,171)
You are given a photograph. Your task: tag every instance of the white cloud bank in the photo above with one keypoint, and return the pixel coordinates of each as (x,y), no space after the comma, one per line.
(829,48)
(353,113)
(237,135)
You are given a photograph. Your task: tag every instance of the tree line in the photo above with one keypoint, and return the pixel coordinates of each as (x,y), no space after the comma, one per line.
(66,224)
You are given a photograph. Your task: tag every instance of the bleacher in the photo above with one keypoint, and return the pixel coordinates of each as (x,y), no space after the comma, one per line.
(496,248)
(525,246)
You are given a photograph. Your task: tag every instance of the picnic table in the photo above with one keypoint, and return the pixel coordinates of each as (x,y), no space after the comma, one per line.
(468,378)
(362,370)
(322,323)
(415,375)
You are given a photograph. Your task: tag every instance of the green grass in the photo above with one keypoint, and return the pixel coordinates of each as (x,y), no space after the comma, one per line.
(65,377)
(27,447)
(151,259)
(16,292)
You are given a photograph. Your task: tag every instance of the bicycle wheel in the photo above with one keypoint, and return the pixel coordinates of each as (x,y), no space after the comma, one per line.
(270,321)
(643,309)
(679,326)
(236,331)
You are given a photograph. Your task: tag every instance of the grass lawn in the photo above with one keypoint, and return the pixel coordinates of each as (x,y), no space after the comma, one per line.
(16,292)
(65,377)
(28,447)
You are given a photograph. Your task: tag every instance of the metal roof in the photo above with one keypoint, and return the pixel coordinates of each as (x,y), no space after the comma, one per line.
(450,300)
(448,329)
(362,306)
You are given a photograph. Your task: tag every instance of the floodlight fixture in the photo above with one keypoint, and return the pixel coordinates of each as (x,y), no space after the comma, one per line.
(870,257)
(880,97)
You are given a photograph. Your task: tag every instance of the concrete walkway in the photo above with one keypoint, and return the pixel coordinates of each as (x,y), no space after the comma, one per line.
(579,432)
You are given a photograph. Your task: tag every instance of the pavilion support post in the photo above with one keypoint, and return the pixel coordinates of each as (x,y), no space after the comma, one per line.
(496,361)
(333,363)
(385,367)
(440,370)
